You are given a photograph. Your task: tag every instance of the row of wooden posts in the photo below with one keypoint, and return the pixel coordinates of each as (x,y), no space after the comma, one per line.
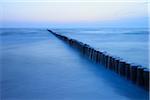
(137,74)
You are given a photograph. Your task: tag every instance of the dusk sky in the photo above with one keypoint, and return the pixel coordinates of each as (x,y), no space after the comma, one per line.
(72,13)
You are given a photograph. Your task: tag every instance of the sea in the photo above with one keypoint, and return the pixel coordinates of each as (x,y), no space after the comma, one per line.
(35,65)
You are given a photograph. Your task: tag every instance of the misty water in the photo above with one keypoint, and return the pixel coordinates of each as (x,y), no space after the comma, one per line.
(35,65)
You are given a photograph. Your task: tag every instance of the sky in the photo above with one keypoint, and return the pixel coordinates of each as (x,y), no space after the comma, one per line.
(74,13)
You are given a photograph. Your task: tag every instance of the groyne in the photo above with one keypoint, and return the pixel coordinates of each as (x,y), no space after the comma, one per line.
(134,73)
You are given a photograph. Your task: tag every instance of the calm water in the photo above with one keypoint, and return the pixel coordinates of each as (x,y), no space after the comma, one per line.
(127,43)
(35,65)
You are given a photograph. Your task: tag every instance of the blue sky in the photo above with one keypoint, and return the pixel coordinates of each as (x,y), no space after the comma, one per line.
(71,13)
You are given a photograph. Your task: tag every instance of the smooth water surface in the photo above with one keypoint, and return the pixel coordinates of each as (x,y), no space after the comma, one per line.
(35,65)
